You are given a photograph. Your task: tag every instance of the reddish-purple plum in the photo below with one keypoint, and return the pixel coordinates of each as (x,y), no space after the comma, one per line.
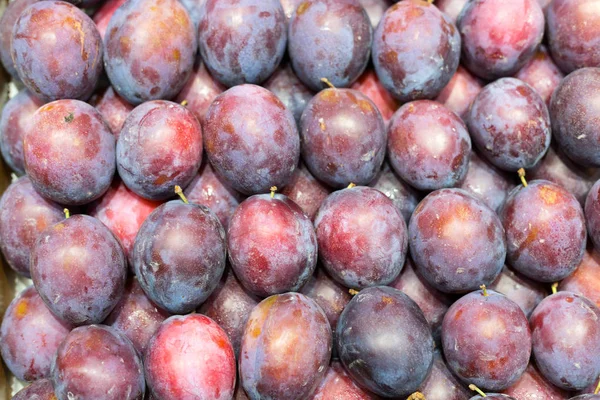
(135,316)
(541,74)
(230,306)
(304,190)
(251,139)
(486,182)
(545,231)
(179,255)
(96,362)
(384,342)
(486,340)
(405,198)
(592,214)
(456,241)
(533,386)
(493,396)
(7,22)
(460,92)
(343,137)
(190,358)
(160,146)
(574,116)
(24,214)
(416,50)
(29,336)
(41,389)
(113,108)
(69,152)
(285,349)
(199,91)
(242,41)
(272,245)
(337,385)
(441,384)
(520,289)
(329,39)
(375,9)
(451,8)
(209,190)
(574,33)
(586,397)
(495,43)
(510,124)
(428,145)
(104,13)
(369,85)
(79,269)
(290,90)
(16,115)
(362,237)
(566,340)
(585,281)
(150,48)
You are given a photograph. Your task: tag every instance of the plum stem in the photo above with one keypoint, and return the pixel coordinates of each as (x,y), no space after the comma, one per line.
(273,190)
(597,388)
(328,83)
(184,103)
(429,1)
(416,396)
(521,173)
(13,177)
(351,185)
(67,213)
(554,287)
(353,292)
(485,293)
(180,194)
(477,390)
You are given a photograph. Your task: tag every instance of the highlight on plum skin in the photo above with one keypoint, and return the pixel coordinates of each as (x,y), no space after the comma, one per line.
(41,389)
(486,340)
(94,362)
(272,245)
(428,145)
(302,333)
(159,147)
(57,69)
(409,68)
(79,269)
(69,152)
(343,137)
(566,340)
(306,191)
(545,231)
(29,336)
(24,215)
(240,121)
(175,360)
(179,255)
(354,255)
(439,230)
(16,114)
(384,342)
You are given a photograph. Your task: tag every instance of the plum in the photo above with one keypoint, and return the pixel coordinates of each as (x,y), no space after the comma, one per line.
(113,108)
(510,124)
(375,9)
(337,385)
(532,386)
(329,39)
(385,342)
(54,69)
(69,152)
(16,115)
(24,215)
(495,44)
(195,10)
(369,85)
(451,8)
(199,91)
(209,190)
(123,212)
(272,245)
(441,384)
(541,74)
(456,241)
(362,237)
(289,89)
(159,147)
(135,316)
(176,366)
(281,328)
(150,48)
(460,92)
(104,13)
(242,41)
(79,269)
(97,362)
(230,306)
(545,231)
(585,281)
(405,198)
(41,389)
(251,139)
(566,340)
(179,255)
(428,145)
(416,50)
(486,340)
(7,22)
(30,336)
(304,190)
(520,289)
(343,137)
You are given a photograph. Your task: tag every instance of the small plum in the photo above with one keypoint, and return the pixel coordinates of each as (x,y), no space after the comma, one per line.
(199,91)
(306,191)
(113,108)
(405,198)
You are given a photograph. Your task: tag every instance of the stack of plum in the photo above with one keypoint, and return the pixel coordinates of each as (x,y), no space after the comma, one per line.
(303,199)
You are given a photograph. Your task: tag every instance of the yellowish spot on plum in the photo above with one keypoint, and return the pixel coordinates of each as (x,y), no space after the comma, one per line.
(365,105)
(184,103)
(302,8)
(329,95)
(387,300)
(59,227)
(549,195)
(176,55)
(21,309)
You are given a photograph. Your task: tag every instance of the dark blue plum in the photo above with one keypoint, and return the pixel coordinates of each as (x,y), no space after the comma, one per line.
(384,342)
(242,41)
